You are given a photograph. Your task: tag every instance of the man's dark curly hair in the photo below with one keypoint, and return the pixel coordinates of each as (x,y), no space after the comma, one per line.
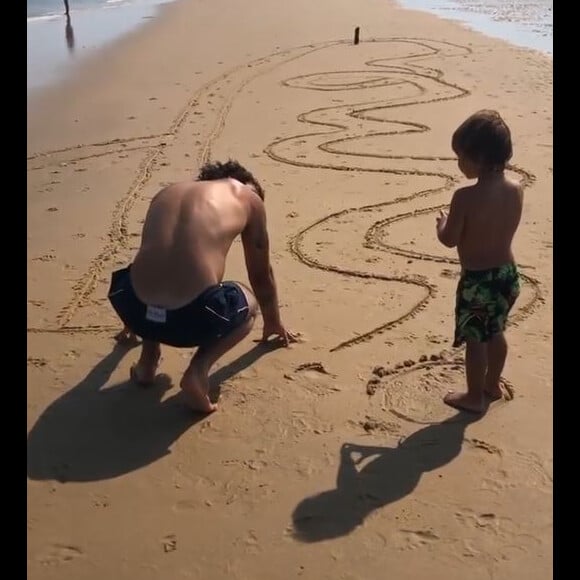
(484,138)
(231,168)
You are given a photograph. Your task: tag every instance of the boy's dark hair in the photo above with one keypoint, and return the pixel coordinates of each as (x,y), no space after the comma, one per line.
(484,138)
(218,170)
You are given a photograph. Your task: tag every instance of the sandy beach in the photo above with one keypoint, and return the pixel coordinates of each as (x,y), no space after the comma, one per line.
(335,458)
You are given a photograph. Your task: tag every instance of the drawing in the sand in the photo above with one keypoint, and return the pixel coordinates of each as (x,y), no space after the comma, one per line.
(335,134)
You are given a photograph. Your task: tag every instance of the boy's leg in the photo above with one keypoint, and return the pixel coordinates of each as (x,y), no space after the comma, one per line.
(195,381)
(144,371)
(497,350)
(475,373)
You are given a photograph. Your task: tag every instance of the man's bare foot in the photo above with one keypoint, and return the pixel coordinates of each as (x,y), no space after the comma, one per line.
(464,402)
(143,376)
(126,337)
(195,387)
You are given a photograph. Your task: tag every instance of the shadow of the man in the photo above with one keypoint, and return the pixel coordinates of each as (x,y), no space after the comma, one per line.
(93,433)
(393,474)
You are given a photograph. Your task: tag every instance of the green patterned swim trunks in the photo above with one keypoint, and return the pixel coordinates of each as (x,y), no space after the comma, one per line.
(484,300)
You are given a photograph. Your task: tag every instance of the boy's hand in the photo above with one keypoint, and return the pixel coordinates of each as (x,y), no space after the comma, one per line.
(441,219)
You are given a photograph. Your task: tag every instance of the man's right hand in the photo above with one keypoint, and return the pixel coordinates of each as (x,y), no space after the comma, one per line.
(279,332)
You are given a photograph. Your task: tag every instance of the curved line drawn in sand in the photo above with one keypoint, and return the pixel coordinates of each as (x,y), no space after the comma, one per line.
(59,157)
(414,75)
(395,399)
(430,87)
(117,235)
(89,329)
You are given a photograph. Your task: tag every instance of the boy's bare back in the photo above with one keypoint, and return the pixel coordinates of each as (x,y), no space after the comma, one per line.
(490,211)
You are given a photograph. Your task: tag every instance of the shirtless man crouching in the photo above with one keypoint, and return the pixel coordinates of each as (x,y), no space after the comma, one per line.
(173,293)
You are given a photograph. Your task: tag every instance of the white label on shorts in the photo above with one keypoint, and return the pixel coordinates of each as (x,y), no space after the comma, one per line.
(155,314)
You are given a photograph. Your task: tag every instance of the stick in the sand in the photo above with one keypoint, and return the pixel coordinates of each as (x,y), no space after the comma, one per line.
(66,9)
(356,34)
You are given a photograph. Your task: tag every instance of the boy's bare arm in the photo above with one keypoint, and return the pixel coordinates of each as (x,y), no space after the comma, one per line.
(450,226)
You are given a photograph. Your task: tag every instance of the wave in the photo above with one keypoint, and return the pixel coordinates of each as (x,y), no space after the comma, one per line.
(43,17)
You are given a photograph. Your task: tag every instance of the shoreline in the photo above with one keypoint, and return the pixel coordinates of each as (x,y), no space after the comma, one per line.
(113,29)
(516,32)
(58,46)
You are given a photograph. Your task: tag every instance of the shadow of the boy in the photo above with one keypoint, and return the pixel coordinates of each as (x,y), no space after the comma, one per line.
(390,476)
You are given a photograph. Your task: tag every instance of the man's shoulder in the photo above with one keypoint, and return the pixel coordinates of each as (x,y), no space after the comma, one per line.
(248,197)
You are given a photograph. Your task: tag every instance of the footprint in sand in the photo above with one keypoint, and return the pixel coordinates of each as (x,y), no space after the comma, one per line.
(486,522)
(484,445)
(314,366)
(60,554)
(414,391)
(415,539)
(45,258)
(520,469)
(101,502)
(446,273)
(169,543)
(36,362)
(371,424)
(186,505)
(508,534)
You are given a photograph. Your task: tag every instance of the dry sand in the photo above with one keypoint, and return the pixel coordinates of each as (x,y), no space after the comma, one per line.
(301,473)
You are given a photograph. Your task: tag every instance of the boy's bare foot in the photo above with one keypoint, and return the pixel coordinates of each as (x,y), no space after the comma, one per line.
(195,386)
(494,393)
(464,402)
(142,376)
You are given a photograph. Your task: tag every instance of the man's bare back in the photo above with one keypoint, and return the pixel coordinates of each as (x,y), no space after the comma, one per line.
(187,235)
(174,294)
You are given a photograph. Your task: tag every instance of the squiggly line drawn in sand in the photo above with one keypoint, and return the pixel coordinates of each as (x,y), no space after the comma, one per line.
(117,234)
(155,144)
(428,86)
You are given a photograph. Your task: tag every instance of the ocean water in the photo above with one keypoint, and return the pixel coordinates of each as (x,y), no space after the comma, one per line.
(526,23)
(47,9)
(55,43)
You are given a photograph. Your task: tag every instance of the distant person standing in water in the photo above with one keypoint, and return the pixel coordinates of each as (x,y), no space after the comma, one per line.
(66,8)
(69,33)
